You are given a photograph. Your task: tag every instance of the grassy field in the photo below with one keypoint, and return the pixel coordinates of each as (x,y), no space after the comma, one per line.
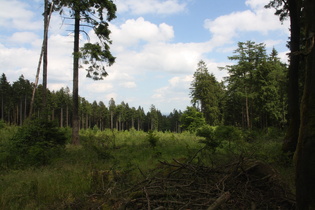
(109,162)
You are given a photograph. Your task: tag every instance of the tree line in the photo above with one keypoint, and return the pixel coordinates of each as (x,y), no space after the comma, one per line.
(15,109)
(253,95)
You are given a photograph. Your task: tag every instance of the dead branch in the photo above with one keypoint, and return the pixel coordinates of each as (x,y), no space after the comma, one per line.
(222,199)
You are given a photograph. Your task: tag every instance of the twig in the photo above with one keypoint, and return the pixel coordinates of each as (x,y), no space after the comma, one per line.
(147,197)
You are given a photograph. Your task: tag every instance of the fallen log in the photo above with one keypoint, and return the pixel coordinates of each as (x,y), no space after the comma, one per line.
(221,200)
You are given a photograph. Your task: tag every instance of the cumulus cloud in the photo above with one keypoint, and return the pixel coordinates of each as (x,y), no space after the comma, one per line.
(150,6)
(128,84)
(257,19)
(17,61)
(134,31)
(99,86)
(17,14)
(257,4)
(175,92)
(23,37)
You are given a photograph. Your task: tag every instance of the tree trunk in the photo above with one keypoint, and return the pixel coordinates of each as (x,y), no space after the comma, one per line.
(305,154)
(61,117)
(21,111)
(132,123)
(52,115)
(290,140)
(25,107)
(111,120)
(86,121)
(67,116)
(2,108)
(247,113)
(44,48)
(45,60)
(75,117)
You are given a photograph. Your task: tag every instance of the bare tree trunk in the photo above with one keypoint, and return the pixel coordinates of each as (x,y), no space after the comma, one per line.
(67,116)
(53,114)
(132,122)
(21,111)
(111,120)
(61,117)
(46,24)
(247,110)
(2,108)
(87,121)
(25,107)
(75,117)
(45,60)
(305,154)
(291,138)
(17,115)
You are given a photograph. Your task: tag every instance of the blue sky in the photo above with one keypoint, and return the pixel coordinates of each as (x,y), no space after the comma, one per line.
(158,44)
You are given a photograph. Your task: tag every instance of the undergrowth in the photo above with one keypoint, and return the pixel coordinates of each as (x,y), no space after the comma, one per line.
(108,162)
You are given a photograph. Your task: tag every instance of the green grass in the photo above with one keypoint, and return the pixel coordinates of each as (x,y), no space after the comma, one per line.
(110,161)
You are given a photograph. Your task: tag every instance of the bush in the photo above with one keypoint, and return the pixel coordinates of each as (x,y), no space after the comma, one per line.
(35,143)
(208,132)
(228,133)
(152,138)
(2,124)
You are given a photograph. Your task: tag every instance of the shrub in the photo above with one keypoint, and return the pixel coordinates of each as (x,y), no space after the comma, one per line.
(152,138)
(228,133)
(2,124)
(208,132)
(35,143)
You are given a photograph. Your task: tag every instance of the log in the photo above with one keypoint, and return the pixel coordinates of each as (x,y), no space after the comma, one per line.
(221,200)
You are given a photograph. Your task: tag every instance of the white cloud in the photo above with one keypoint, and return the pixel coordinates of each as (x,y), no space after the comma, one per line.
(134,31)
(225,28)
(175,94)
(23,37)
(17,61)
(98,86)
(150,6)
(179,58)
(16,14)
(257,4)
(128,84)
(111,95)
(284,57)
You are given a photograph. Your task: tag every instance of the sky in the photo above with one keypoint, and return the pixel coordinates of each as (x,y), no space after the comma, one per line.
(157,45)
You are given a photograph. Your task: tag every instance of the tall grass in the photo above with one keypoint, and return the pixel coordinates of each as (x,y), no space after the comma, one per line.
(109,161)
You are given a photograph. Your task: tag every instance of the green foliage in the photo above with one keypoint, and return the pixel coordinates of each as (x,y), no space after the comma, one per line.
(93,55)
(2,124)
(96,167)
(35,144)
(92,13)
(192,119)
(208,132)
(206,93)
(256,93)
(228,133)
(217,136)
(152,138)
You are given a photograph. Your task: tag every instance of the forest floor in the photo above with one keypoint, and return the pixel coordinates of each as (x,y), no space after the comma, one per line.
(123,170)
(183,184)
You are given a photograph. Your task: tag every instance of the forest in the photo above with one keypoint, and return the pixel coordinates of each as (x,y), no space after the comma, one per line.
(258,88)
(246,142)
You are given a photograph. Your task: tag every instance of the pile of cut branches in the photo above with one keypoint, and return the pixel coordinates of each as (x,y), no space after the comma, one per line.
(243,184)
